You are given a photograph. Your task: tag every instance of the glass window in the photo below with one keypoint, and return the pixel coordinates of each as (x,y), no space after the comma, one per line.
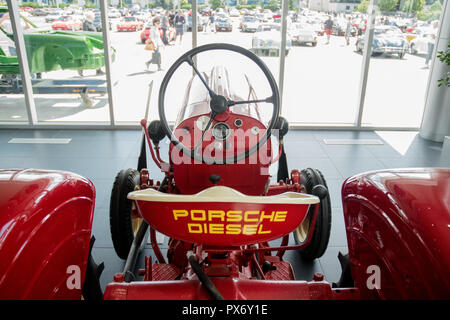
(323,69)
(12,100)
(66,59)
(135,67)
(399,67)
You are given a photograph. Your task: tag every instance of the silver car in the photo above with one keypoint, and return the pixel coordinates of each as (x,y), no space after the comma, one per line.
(425,38)
(303,33)
(267,40)
(249,24)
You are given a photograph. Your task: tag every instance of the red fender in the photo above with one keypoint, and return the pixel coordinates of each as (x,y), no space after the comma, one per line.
(399,220)
(45,229)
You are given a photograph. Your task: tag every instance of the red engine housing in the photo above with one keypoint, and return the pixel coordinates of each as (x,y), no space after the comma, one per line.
(249,176)
(398,220)
(45,228)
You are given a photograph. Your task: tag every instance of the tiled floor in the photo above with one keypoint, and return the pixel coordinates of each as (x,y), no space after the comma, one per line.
(100,154)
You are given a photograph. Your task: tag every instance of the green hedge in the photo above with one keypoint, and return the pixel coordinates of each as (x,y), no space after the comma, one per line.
(30,4)
(249,6)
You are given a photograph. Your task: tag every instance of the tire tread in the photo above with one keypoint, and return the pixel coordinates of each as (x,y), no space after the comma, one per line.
(120,211)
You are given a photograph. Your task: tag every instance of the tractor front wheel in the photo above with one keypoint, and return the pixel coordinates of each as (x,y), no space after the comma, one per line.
(123,217)
(310,178)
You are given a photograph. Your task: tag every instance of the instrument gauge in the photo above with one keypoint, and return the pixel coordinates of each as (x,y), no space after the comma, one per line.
(202,122)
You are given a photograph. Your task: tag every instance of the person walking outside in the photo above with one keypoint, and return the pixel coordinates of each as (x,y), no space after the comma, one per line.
(431,43)
(328,28)
(212,26)
(164,27)
(155,37)
(171,18)
(180,21)
(348,30)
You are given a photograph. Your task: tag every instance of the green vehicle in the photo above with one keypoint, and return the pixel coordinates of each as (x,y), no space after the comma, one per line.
(55,50)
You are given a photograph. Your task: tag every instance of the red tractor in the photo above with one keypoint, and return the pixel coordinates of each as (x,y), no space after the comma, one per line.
(221,212)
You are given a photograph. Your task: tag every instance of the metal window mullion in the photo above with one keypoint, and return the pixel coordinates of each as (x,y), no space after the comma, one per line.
(368,38)
(194,31)
(285,7)
(194,24)
(107,57)
(27,86)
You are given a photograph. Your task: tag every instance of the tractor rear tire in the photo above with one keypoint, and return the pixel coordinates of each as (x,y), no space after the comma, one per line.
(120,211)
(310,178)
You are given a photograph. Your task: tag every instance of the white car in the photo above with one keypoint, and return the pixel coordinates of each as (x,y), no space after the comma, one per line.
(261,17)
(142,16)
(421,42)
(249,24)
(114,13)
(303,33)
(234,13)
(221,15)
(267,40)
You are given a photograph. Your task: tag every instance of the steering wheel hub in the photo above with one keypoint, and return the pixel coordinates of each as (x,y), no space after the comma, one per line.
(218,104)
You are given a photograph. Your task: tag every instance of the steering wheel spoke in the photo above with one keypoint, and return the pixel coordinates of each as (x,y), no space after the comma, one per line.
(190,61)
(267,100)
(208,125)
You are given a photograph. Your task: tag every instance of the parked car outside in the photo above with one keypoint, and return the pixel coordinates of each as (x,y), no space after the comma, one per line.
(234,13)
(249,24)
(114,13)
(386,40)
(267,40)
(420,44)
(416,32)
(224,25)
(199,23)
(67,23)
(53,16)
(302,33)
(39,12)
(129,24)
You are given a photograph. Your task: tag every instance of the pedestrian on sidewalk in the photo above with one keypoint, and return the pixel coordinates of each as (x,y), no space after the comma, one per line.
(154,44)
(328,28)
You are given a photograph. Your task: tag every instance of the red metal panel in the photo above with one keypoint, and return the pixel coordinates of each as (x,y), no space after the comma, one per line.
(399,220)
(241,223)
(45,227)
(164,272)
(283,271)
(231,289)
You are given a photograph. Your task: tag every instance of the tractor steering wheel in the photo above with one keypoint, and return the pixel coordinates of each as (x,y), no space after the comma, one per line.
(218,103)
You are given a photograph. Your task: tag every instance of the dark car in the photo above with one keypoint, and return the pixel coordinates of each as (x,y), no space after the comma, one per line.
(98,22)
(386,40)
(224,25)
(199,24)
(39,12)
(52,17)
(205,12)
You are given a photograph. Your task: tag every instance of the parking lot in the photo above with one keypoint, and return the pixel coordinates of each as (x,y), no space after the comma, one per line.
(314,84)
